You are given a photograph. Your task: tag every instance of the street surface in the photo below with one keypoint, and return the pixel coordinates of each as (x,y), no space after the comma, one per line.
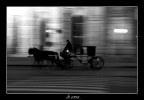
(49,79)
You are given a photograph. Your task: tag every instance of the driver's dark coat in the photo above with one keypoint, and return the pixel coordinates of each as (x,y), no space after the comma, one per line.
(68,46)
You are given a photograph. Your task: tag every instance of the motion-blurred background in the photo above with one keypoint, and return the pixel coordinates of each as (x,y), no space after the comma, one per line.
(113,30)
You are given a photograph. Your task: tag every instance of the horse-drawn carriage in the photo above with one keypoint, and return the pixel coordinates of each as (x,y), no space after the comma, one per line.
(84,54)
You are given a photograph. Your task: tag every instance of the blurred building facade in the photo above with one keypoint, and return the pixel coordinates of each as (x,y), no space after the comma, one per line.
(88,26)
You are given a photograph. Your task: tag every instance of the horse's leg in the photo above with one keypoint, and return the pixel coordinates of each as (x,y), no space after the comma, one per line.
(47,60)
(57,59)
(42,61)
(39,64)
(35,62)
(52,60)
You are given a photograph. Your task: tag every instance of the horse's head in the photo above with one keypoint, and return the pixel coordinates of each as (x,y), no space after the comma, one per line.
(30,51)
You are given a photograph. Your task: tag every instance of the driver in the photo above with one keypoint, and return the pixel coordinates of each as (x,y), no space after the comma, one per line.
(68,46)
(67,50)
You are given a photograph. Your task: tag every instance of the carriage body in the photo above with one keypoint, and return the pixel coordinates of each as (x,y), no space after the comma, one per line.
(84,53)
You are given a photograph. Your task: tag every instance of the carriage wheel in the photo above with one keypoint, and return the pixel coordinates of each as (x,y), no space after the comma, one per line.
(67,64)
(97,63)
